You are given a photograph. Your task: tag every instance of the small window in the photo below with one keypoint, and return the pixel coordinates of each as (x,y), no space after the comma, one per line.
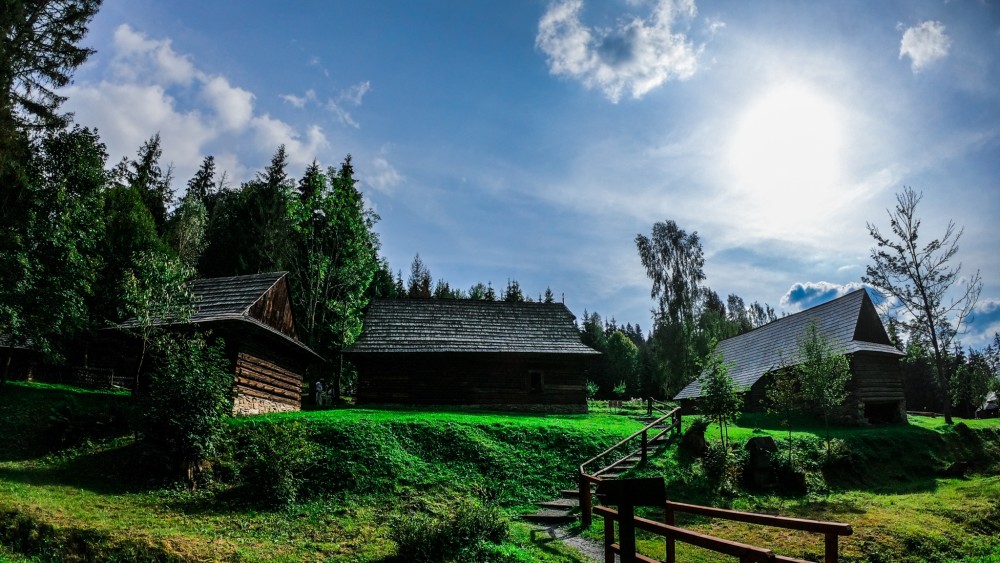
(535,378)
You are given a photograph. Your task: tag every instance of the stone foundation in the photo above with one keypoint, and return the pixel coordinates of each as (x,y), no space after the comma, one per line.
(244,405)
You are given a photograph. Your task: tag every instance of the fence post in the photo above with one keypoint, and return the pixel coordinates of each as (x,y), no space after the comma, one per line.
(609,539)
(586,502)
(645,444)
(626,533)
(668,519)
(831,548)
(649,406)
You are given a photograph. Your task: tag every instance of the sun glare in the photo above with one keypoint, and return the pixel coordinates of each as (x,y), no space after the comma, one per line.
(785,151)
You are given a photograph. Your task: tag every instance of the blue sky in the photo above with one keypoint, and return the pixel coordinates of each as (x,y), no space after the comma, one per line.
(533,139)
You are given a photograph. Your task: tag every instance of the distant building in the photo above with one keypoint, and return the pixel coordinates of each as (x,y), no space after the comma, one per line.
(851,325)
(253,314)
(459,352)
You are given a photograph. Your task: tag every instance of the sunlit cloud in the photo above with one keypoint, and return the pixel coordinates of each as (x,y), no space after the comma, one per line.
(925,44)
(804,295)
(636,56)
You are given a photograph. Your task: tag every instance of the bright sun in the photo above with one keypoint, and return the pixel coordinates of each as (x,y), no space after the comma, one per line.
(786,148)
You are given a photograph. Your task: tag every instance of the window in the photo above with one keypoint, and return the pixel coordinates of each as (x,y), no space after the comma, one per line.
(535,379)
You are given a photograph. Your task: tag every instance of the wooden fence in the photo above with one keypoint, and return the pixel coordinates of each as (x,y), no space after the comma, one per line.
(627,524)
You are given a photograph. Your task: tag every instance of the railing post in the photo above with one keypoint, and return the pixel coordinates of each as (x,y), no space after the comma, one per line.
(645,444)
(831,548)
(668,519)
(626,533)
(609,539)
(586,502)
(649,406)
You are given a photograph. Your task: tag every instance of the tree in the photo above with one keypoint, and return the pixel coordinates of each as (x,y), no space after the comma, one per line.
(972,382)
(419,282)
(549,297)
(784,396)
(921,280)
(202,185)
(674,262)
(823,375)
(186,231)
(189,398)
(513,293)
(147,177)
(334,262)
(622,362)
(721,400)
(38,55)
(52,254)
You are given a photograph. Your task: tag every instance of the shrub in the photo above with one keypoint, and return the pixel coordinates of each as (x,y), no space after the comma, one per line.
(189,397)
(457,531)
(274,462)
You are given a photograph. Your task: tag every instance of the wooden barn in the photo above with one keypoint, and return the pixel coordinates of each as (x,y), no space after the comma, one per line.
(850,324)
(484,354)
(253,314)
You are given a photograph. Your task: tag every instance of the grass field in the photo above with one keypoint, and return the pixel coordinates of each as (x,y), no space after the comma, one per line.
(68,487)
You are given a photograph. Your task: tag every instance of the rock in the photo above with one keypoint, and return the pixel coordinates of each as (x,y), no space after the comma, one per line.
(957,469)
(759,470)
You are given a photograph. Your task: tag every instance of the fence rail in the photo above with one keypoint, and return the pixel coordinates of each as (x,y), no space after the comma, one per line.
(746,553)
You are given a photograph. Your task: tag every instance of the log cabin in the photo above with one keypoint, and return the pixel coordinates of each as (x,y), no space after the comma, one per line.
(479,354)
(851,325)
(253,315)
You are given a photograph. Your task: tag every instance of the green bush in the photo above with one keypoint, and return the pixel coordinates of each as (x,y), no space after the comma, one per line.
(457,531)
(183,414)
(274,462)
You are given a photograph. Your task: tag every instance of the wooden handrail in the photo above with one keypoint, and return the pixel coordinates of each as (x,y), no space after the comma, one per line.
(626,440)
(745,552)
(814,526)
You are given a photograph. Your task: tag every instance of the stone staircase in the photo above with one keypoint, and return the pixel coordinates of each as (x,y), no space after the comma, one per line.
(565,509)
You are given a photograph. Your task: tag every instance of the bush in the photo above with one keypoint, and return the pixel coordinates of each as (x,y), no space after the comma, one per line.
(725,466)
(457,531)
(189,397)
(274,462)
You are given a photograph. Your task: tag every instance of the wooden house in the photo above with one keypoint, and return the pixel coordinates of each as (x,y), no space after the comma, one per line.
(851,325)
(485,354)
(253,314)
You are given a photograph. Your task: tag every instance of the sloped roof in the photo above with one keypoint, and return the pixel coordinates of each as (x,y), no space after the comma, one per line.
(849,324)
(230,299)
(463,325)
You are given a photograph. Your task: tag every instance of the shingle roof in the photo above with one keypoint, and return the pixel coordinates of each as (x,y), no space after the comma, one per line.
(462,325)
(230,299)
(849,323)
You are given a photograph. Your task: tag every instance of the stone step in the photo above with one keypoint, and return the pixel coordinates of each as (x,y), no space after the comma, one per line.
(550,516)
(570,493)
(564,503)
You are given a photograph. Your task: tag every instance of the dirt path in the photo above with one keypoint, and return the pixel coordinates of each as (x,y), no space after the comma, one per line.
(592,551)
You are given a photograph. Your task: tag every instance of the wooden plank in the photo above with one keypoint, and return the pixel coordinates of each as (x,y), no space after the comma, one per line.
(250,392)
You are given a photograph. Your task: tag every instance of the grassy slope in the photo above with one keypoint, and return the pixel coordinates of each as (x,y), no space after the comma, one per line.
(897,504)
(387,459)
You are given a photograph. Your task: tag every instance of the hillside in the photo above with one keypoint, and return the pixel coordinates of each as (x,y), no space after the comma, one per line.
(349,484)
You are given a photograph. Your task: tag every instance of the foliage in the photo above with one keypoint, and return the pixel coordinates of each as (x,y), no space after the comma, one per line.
(721,400)
(334,261)
(972,382)
(150,181)
(824,375)
(452,532)
(622,361)
(419,282)
(784,396)
(38,55)
(189,398)
(592,389)
(274,462)
(921,281)
(186,231)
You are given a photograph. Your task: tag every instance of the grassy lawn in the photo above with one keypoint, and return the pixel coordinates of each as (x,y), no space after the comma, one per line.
(67,474)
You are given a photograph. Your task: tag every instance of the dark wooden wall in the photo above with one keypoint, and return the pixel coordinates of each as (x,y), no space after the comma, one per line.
(263,372)
(877,378)
(274,308)
(502,381)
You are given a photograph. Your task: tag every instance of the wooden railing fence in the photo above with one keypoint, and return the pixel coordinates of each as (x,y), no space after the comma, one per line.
(587,479)
(625,547)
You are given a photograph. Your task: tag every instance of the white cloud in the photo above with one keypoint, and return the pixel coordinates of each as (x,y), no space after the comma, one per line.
(802,296)
(924,44)
(150,88)
(300,101)
(342,114)
(356,93)
(136,55)
(636,55)
(384,176)
(233,105)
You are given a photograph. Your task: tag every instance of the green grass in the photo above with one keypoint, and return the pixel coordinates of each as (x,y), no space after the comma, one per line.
(68,486)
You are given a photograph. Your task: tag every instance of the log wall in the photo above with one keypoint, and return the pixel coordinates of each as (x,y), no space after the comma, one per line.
(496,381)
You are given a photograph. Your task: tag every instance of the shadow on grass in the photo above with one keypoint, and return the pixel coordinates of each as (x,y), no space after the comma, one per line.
(110,471)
